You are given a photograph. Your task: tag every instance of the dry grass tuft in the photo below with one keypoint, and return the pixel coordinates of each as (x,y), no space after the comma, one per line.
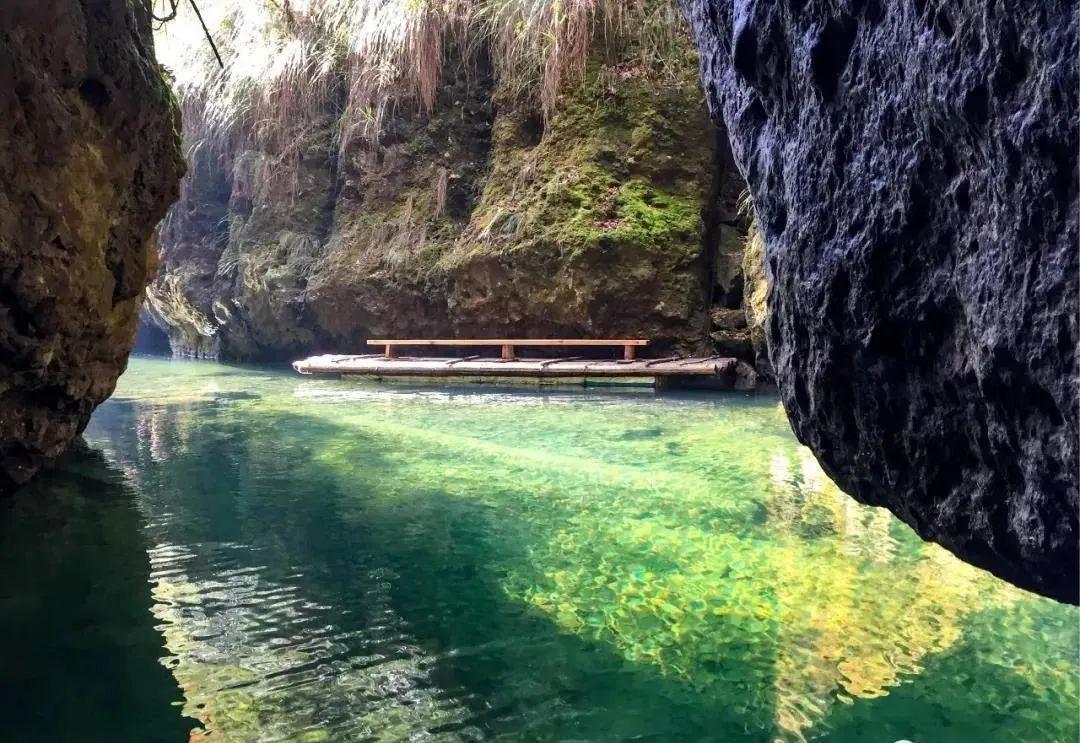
(289,66)
(442,181)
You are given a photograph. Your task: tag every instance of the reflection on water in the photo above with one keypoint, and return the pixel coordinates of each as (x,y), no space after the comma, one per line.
(79,654)
(343,561)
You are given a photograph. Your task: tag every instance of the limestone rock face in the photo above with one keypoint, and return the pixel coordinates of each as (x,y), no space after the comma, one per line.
(89,161)
(614,216)
(914,170)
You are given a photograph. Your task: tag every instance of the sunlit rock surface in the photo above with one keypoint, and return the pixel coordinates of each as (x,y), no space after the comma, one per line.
(89,161)
(914,169)
(612,215)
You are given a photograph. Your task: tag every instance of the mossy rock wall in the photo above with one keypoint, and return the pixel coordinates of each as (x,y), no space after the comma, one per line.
(596,227)
(479,218)
(404,201)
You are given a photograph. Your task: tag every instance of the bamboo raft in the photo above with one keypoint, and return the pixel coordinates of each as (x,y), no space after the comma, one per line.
(696,371)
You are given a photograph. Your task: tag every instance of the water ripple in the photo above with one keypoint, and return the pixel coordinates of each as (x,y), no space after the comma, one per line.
(340,561)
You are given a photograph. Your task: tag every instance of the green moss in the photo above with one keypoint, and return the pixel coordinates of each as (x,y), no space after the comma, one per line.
(588,222)
(757,290)
(601,220)
(656,216)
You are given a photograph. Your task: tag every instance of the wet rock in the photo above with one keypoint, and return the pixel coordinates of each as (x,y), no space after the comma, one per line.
(730,333)
(746,377)
(914,170)
(728,279)
(728,319)
(89,161)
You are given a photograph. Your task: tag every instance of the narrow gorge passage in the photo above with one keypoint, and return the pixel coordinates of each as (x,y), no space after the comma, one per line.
(720,376)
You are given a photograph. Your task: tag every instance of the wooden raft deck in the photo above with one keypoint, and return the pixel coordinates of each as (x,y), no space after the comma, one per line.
(702,369)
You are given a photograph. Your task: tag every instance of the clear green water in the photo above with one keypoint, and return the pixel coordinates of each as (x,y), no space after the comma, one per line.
(281,558)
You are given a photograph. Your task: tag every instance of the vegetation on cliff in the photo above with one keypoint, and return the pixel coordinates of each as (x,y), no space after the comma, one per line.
(441,168)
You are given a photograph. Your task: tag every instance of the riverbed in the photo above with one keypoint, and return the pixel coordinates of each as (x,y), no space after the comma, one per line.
(252,555)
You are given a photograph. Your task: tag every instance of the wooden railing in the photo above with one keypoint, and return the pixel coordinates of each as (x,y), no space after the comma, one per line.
(629,345)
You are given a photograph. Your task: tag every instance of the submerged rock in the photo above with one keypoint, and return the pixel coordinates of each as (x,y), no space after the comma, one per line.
(89,161)
(914,170)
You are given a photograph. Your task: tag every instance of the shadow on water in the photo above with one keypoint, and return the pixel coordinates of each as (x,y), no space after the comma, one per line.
(79,652)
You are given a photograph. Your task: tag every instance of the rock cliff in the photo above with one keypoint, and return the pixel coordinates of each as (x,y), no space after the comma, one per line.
(613,215)
(914,170)
(89,162)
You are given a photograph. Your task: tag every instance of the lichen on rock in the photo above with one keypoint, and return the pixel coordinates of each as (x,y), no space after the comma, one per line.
(89,161)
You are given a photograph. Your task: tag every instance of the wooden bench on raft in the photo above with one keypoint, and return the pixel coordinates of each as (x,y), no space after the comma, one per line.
(629,345)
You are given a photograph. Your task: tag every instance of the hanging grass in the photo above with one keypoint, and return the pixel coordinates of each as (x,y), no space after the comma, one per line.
(288,64)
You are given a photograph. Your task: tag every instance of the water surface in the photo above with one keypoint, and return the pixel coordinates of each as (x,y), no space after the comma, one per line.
(324,560)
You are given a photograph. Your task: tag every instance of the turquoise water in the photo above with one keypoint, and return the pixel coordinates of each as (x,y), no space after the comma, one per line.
(251,555)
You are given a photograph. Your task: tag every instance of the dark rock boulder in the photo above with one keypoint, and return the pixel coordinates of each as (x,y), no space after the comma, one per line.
(913,167)
(89,161)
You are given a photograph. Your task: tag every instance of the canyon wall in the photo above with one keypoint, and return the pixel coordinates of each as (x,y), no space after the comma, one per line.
(913,167)
(89,162)
(616,215)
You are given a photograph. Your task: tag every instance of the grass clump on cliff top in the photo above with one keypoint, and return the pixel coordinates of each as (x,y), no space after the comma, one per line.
(287,62)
